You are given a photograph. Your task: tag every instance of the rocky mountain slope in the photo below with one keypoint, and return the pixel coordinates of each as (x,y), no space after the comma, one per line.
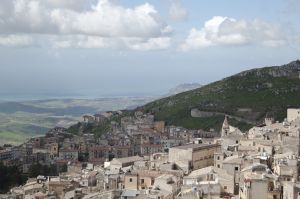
(247,97)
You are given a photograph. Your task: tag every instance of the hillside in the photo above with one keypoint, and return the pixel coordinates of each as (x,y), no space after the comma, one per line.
(247,97)
(183,88)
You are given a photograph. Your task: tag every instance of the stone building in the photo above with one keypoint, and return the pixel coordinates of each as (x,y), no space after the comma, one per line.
(221,182)
(68,154)
(193,156)
(293,114)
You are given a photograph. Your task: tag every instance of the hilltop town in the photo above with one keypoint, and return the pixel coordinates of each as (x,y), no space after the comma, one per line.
(138,99)
(143,158)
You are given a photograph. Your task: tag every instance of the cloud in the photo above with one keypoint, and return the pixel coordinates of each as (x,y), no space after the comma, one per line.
(107,19)
(81,41)
(96,22)
(78,5)
(229,31)
(140,44)
(149,44)
(177,12)
(16,40)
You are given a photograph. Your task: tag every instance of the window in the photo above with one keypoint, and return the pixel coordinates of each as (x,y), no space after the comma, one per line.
(236,141)
(218,158)
(130,179)
(225,187)
(142,180)
(236,168)
(218,166)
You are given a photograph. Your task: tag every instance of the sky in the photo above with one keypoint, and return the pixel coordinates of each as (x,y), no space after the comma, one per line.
(95,48)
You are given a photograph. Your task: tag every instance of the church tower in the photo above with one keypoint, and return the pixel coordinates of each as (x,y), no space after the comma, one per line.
(225,127)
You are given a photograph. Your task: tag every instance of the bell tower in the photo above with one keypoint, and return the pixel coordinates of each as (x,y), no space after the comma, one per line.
(225,127)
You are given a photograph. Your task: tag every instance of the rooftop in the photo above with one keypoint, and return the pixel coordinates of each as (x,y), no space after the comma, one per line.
(128,159)
(196,146)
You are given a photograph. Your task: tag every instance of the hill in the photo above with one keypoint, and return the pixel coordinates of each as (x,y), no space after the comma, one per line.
(183,88)
(246,97)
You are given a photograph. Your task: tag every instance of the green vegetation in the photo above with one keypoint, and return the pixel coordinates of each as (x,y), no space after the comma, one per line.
(268,90)
(10,176)
(38,169)
(96,129)
(82,128)
(12,137)
(22,120)
(247,97)
(15,128)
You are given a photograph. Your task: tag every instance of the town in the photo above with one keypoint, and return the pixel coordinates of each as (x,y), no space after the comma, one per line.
(143,158)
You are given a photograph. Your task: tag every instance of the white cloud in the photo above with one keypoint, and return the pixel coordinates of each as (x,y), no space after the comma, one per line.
(139,44)
(15,40)
(148,44)
(69,4)
(229,31)
(177,12)
(107,19)
(83,41)
(84,23)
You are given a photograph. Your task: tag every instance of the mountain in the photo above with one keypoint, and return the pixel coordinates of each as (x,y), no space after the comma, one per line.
(183,88)
(246,97)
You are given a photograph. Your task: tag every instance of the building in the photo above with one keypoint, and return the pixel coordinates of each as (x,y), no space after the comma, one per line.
(139,180)
(98,153)
(257,181)
(225,127)
(209,180)
(293,114)
(118,163)
(68,154)
(99,118)
(52,149)
(193,156)
(159,126)
(88,118)
(291,190)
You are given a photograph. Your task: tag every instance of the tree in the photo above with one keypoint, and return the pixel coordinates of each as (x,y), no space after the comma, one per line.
(10,176)
(38,169)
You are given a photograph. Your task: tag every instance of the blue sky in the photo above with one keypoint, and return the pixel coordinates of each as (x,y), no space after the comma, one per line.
(133,47)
